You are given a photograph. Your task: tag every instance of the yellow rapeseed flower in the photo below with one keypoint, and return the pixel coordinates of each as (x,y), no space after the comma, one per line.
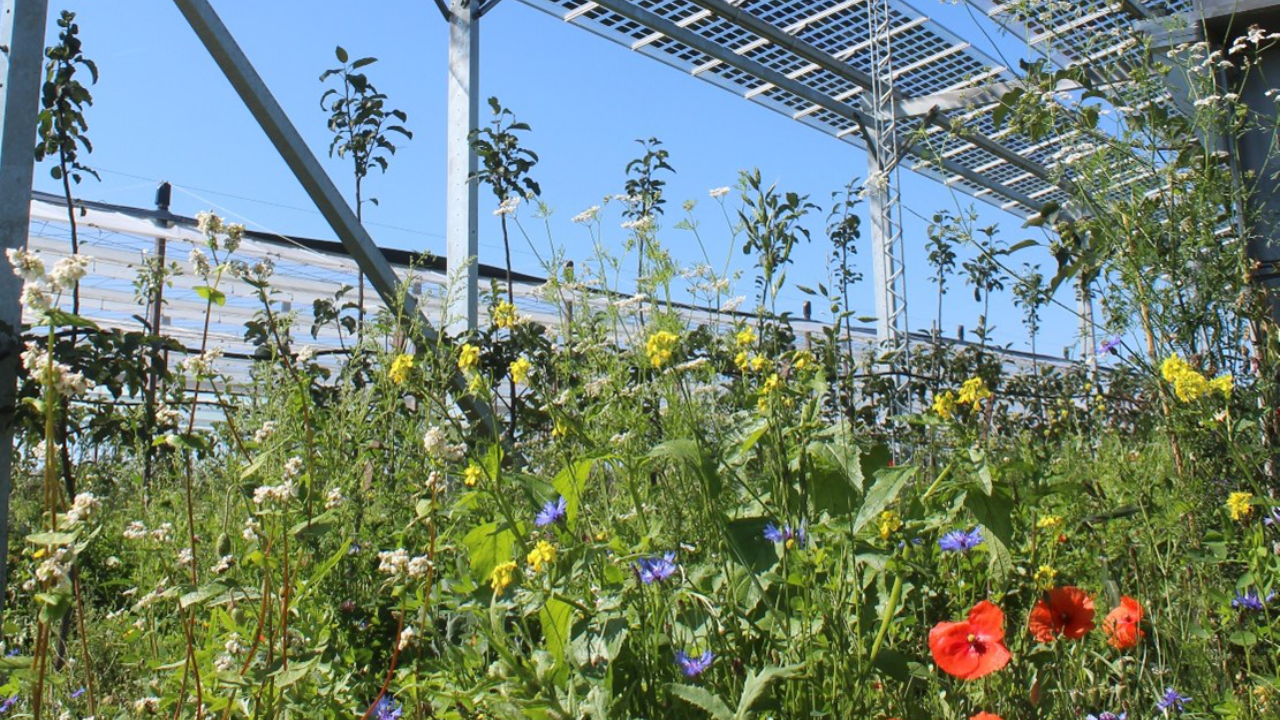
(889,523)
(469,358)
(660,347)
(759,363)
(1049,522)
(1044,577)
(1240,505)
(745,337)
(944,405)
(502,576)
(803,360)
(544,553)
(1189,384)
(471,476)
(520,370)
(741,360)
(771,385)
(504,315)
(400,368)
(973,391)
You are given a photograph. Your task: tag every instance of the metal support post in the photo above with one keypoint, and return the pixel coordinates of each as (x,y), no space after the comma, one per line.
(1088,331)
(22,24)
(462,195)
(883,193)
(329,201)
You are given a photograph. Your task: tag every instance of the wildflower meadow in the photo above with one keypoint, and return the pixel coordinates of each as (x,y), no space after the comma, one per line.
(665,512)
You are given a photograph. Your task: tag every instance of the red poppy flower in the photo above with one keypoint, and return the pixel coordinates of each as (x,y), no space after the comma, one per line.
(971,648)
(1121,624)
(1065,611)
(986,716)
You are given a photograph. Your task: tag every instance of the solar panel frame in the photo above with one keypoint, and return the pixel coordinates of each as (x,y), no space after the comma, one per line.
(933,60)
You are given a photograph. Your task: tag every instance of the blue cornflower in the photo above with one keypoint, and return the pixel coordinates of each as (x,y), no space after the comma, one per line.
(1273,518)
(1172,700)
(1107,716)
(1251,600)
(691,666)
(77,693)
(552,512)
(785,534)
(961,541)
(387,709)
(656,569)
(13,652)
(1108,345)
(7,705)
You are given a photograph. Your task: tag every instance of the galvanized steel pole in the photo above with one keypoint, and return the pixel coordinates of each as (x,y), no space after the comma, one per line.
(22,24)
(461,195)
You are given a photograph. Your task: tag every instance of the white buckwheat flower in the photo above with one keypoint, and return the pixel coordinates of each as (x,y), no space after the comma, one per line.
(83,508)
(334,499)
(719,192)
(265,432)
(588,215)
(135,531)
(393,562)
(68,271)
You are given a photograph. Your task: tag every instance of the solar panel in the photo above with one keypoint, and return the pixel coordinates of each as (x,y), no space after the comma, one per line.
(1001,167)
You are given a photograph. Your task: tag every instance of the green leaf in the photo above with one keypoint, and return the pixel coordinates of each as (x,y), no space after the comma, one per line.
(61,318)
(570,482)
(758,681)
(201,594)
(688,451)
(748,544)
(51,538)
(213,295)
(488,546)
(702,698)
(323,571)
(341,54)
(556,617)
(994,512)
(889,483)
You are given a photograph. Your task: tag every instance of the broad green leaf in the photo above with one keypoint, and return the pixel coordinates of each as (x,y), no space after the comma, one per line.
(201,594)
(994,512)
(687,451)
(51,538)
(488,546)
(62,318)
(556,617)
(570,482)
(702,698)
(213,295)
(748,544)
(757,682)
(888,484)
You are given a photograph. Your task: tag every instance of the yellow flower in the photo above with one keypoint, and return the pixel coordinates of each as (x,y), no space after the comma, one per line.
(504,315)
(803,360)
(1044,577)
(471,476)
(559,428)
(1189,384)
(745,337)
(476,384)
(502,576)
(400,368)
(544,553)
(741,360)
(1049,522)
(889,523)
(945,405)
(469,358)
(660,347)
(772,384)
(758,363)
(1240,505)
(973,392)
(520,370)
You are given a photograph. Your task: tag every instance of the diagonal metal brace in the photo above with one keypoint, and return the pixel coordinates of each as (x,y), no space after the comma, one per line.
(306,168)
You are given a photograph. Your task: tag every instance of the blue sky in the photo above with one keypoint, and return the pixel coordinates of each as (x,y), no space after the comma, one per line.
(163,111)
